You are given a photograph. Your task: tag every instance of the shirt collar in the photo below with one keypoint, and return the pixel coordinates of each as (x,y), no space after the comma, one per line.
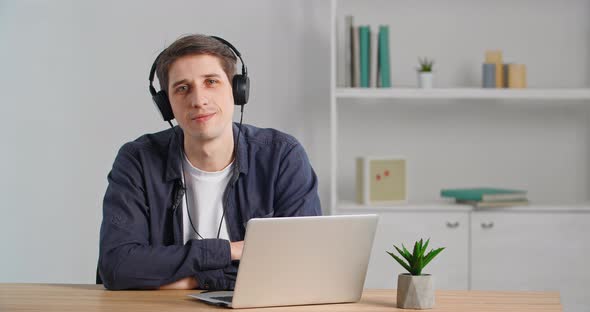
(174,155)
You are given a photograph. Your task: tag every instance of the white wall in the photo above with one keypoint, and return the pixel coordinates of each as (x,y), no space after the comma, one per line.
(74,83)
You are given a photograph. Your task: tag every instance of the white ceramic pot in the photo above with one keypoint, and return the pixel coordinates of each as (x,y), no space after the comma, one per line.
(425,80)
(415,291)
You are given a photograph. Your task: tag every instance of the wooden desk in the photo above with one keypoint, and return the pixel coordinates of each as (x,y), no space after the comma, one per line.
(64,297)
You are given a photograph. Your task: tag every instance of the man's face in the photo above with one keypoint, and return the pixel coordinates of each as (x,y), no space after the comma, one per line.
(201,96)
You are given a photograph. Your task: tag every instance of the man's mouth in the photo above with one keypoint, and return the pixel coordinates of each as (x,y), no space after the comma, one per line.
(203,117)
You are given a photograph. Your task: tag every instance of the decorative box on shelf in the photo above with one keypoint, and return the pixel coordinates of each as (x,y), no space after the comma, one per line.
(381,180)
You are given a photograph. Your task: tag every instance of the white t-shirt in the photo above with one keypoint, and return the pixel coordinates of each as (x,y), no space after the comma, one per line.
(205,201)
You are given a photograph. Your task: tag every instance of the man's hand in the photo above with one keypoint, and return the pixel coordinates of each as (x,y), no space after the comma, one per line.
(191,282)
(236,250)
(185,283)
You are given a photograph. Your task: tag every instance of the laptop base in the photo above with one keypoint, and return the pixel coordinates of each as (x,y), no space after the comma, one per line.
(215,298)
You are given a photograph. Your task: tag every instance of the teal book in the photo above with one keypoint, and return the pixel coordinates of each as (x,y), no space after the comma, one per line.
(384,68)
(484,194)
(494,204)
(364,43)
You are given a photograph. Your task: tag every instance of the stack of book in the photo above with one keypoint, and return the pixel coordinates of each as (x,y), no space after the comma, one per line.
(486,197)
(366,56)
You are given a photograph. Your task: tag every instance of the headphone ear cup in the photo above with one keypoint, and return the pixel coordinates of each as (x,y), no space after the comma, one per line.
(241,89)
(163,105)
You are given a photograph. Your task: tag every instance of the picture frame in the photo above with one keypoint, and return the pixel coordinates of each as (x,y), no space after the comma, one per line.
(381,180)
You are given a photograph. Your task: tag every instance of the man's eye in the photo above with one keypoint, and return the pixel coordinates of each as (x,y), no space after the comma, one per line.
(181,89)
(211,81)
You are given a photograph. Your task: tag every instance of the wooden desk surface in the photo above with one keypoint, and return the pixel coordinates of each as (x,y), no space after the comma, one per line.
(66,297)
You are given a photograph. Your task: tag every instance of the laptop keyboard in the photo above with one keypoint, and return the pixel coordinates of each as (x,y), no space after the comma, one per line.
(224,298)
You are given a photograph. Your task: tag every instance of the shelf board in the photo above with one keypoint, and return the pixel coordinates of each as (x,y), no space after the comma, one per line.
(346,206)
(449,206)
(464,93)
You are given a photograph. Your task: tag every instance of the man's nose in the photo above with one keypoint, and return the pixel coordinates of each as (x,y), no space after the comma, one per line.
(199,97)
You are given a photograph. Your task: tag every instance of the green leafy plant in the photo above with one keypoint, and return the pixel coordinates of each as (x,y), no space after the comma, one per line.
(417,260)
(425,65)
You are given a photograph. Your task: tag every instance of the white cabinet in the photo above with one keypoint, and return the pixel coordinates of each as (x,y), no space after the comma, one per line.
(446,229)
(533,251)
(512,249)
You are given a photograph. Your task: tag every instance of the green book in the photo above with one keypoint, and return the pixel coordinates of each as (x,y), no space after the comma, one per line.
(494,204)
(484,194)
(384,69)
(364,43)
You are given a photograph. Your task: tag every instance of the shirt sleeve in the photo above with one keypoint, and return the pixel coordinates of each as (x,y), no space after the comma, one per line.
(296,186)
(126,258)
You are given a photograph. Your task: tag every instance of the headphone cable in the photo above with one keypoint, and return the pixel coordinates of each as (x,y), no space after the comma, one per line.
(182,154)
(237,163)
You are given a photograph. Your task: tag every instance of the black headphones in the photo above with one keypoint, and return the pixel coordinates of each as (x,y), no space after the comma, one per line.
(240,86)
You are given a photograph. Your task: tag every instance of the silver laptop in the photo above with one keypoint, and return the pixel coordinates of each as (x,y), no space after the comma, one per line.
(300,260)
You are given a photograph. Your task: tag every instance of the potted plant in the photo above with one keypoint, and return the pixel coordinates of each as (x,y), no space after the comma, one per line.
(425,74)
(415,290)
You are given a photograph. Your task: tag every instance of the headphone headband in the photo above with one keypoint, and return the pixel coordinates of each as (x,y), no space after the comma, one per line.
(236,52)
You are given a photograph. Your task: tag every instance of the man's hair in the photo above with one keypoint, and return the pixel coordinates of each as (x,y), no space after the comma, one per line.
(193,45)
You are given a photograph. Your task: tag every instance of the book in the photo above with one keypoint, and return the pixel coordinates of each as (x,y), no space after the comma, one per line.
(494,204)
(340,42)
(373,58)
(384,69)
(355,56)
(505,71)
(489,75)
(495,57)
(517,76)
(486,194)
(364,44)
(348,50)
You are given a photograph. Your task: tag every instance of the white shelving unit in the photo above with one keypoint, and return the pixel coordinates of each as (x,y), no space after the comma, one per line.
(536,236)
(448,206)
(552,96)
(346,206)
(464,93)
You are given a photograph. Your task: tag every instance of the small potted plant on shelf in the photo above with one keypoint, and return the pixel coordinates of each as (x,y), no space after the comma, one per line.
(425,75)
(415,290)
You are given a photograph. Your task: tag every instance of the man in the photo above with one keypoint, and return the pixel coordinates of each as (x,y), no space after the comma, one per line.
(178,201)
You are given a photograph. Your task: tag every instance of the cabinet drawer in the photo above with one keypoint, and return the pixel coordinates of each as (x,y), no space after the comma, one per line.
(532,251)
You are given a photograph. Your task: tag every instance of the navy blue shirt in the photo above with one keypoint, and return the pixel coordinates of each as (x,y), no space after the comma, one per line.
(141,244)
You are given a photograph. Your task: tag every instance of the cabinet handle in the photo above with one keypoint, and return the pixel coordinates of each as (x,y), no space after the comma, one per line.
(487,225)
(453,225)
